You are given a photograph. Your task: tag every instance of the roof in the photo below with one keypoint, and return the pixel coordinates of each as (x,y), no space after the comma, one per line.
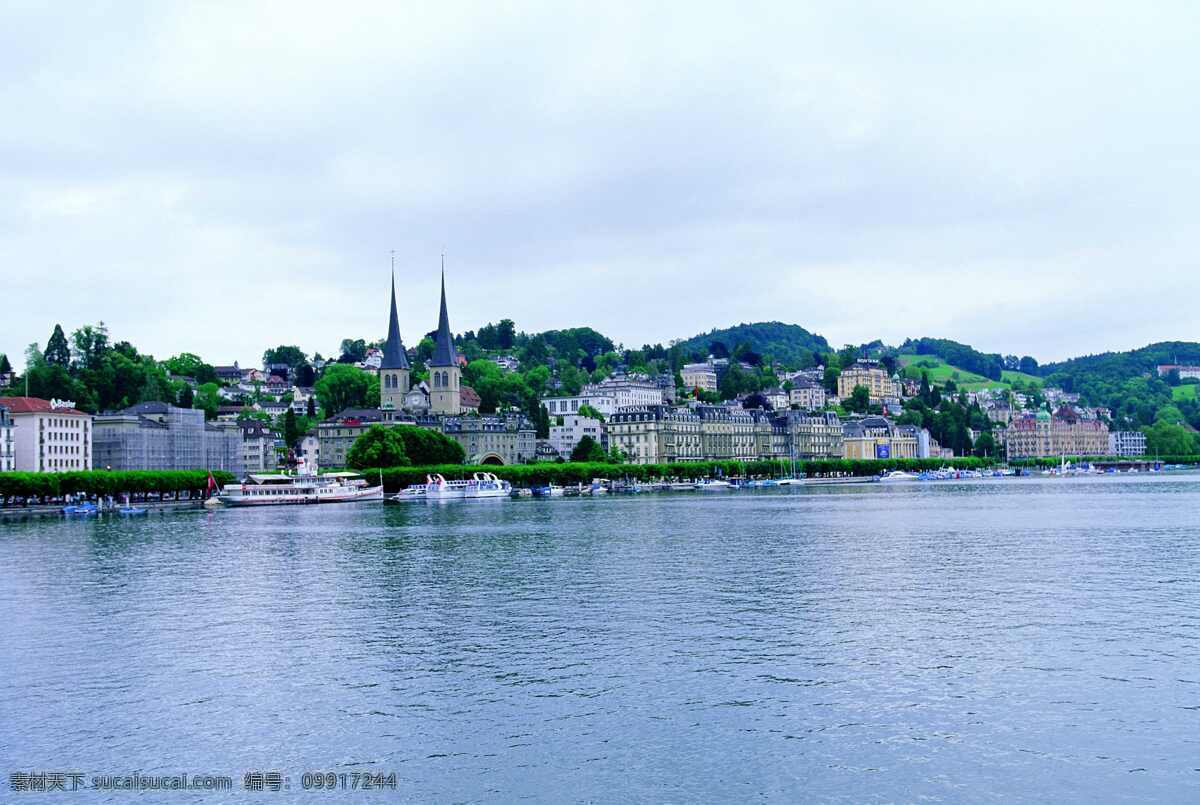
(148,408)
(469,397)
(35,405)
(444,353)
(394,356)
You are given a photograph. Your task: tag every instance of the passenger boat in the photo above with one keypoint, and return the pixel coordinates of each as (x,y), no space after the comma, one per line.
(482,485)
(282,490)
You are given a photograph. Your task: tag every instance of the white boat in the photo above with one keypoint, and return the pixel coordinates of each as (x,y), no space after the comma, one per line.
(600,486)
(437,488)
(713,485)
(282,490)
(898,475)
(548,491)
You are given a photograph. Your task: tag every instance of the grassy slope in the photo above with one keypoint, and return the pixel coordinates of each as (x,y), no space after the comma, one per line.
(1187,392)
(940,371)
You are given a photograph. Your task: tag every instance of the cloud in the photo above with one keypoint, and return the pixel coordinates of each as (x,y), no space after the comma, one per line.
(222,178)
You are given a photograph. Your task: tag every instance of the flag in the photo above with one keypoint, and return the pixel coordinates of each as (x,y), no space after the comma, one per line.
(212,483)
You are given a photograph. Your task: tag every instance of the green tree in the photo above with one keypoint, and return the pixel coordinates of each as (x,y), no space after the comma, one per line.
(543,423)
(588,449)
(91,344)
(293,356)
(426,447)
(354,349)
(291,429)
(859,400)
(186,364)
(187,397)
(208,398)
(1165,438)
(342,386)
(57,352)
(589,411)
(378,447)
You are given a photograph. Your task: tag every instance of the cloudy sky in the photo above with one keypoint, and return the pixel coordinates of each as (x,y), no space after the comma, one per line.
(219,178)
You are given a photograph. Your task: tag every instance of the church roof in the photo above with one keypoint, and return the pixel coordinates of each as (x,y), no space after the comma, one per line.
(444,353)
(393,350)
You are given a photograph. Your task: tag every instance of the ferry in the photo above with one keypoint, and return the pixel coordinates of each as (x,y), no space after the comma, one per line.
(481,485)
(282,490)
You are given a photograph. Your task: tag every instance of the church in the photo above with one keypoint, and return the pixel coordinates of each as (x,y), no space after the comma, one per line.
(440,403)
(442,394)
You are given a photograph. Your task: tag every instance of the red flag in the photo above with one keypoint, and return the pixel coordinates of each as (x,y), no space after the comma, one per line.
(212,483)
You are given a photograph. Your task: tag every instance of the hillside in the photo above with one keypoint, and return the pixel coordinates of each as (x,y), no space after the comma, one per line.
(940,371)
(789,344)
(1116,367)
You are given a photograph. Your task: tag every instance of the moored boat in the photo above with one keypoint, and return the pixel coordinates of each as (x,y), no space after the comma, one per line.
(282,490)
(481,485)
(713,485)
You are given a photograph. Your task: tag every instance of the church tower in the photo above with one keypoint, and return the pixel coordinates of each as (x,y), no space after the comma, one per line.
(393,371)
(445,375)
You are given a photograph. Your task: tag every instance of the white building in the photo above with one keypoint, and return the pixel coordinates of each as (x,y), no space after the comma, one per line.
(310,449)
(566,436)
(300,398)
(609,396)
(258,447)
(701,376)
(1126,443)
(7,458)
(49,435)
(807,396)
(1184,371)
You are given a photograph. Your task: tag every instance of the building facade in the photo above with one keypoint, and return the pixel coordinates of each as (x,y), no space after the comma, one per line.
(807,396)
(49,435)
(7,446)
(507,438)
(874,437)
(657,434)
(1040,435)
(701,376)
(1126,443)
(873,377)
(258,447)
(566,436)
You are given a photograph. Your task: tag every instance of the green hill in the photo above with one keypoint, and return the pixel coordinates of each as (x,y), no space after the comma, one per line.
(940,371)
(789,344)
(1117,367)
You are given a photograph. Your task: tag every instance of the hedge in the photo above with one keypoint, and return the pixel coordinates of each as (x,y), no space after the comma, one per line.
(1054,461)
(396,478)
(105,482)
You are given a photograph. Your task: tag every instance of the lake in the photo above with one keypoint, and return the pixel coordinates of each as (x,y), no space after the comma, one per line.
(983,641)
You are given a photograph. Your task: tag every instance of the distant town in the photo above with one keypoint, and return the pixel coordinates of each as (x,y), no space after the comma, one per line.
(571,395)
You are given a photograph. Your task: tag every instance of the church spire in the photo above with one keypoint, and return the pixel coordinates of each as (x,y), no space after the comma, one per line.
(394,356)
(444,353)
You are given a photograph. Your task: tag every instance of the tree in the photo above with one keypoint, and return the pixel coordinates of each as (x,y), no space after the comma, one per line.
(985,445)
(832,373)
(427,447)
(208,397)
(354,350)
(5,366)
(859,400)
(305,375)
(589,411)
(187,397)
(378,447)
(342,386)
(293,356)
(506,333)
(1028,365)
(543,423)
(588,449)
(185,364)
(310,409)
(57,352)
(1165,438)
(291,430)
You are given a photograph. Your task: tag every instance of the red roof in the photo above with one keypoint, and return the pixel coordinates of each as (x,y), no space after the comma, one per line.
(469,397)
(34,405)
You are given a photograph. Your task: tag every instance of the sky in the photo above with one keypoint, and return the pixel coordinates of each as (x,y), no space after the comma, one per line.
(219,178)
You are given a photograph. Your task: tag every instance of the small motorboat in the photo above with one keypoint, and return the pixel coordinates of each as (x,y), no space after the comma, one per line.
(127,510)
(548,491)
(713,485)
(85,508)
(898,475)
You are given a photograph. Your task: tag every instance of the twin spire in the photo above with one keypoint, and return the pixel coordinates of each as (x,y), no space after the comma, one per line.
(444,353)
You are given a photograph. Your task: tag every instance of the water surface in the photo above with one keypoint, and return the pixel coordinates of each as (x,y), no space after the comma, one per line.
(979,641)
